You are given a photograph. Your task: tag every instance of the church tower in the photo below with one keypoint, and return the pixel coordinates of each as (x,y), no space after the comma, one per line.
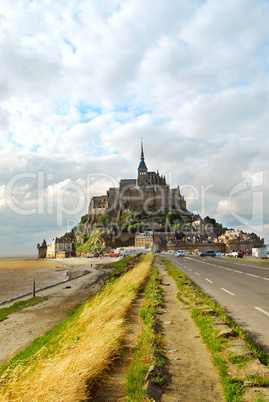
(142,176)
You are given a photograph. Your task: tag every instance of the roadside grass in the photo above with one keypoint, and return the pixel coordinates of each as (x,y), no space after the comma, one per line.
(233,386)
(148,350)
(5,311)
(120,266)
(248,260)
(183,284)
(64,364)
(260,398)
(259,261)
(71,310)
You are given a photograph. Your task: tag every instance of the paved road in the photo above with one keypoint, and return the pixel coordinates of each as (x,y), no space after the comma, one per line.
(242,287)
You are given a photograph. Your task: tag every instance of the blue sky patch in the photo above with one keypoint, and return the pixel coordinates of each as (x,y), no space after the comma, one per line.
(70,44)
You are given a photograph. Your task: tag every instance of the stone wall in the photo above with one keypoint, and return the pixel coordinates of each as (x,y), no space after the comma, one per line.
(227,247)
(182,245)
(244,245)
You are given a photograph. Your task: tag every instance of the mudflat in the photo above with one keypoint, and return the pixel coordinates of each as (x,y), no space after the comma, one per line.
(19,330)
(17,275)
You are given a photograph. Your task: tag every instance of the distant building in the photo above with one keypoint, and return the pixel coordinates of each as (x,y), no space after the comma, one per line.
(62,247)
(42,249)
(240,241)
(126,251)
(144,239)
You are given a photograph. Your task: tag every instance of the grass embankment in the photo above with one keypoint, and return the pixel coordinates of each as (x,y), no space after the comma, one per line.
(5,311)
(122,265)
(191,295)
(64,364)
(148,350)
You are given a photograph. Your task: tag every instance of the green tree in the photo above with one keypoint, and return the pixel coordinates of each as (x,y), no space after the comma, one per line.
(124,227)
(85,237)
(132,229)
(210,220)
(173,217)
(104,220)
(84,219)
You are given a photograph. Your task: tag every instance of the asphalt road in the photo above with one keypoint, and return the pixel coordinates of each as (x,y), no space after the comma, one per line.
(240,286)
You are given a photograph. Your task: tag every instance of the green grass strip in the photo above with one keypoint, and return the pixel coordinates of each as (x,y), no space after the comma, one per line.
(247,260)
(5,311)
(148,342)
(120,266)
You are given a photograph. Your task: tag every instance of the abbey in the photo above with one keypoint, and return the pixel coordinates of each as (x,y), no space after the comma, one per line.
(148,192)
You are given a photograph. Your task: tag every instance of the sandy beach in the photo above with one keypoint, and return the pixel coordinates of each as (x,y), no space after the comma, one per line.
(86,277)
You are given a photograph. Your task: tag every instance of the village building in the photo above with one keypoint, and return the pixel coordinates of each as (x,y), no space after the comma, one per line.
(144,239)
(60,247)
(240,241)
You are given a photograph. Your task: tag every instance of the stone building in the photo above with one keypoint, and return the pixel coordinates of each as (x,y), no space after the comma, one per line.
(42,249)
(62,247)
(148,192)
(144,239)
(240,241)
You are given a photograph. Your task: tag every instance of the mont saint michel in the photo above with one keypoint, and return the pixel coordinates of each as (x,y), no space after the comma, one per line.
(149,192)
(145,211)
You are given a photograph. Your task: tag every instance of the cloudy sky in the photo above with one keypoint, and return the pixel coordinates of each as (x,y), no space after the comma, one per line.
(82,81)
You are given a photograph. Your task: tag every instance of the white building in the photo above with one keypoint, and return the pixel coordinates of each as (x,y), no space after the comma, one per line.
(144,239)
(125,251)
(60,248)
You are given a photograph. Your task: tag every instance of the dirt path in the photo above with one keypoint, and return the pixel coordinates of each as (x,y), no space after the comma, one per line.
(113,386)
(194,377)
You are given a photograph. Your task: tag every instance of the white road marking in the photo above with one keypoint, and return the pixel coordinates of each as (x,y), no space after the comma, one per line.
(240,272)
(208,280)
(254,276)
(190,269)
(228,269)
(261,310)
(266,279)
(197,273)
(254,266)
(230,293)
(213,265)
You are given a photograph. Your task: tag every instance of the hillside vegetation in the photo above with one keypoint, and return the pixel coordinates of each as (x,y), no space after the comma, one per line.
(64,364)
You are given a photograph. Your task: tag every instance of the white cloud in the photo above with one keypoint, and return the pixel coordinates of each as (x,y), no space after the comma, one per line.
(81,82)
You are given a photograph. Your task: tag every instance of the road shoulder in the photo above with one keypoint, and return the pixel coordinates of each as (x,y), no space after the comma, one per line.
(193,376)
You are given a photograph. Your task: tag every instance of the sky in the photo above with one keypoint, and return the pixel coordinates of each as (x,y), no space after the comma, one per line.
(82,81)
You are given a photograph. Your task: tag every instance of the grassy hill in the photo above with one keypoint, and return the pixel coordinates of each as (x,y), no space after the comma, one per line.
(63,364)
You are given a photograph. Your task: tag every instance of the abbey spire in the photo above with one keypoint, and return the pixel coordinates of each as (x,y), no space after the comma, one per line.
(142,171)
(142,151)
(142,164)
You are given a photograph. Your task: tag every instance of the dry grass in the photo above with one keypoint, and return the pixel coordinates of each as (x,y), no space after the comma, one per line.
(64,368)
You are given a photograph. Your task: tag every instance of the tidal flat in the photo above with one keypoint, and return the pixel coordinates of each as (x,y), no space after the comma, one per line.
(17,275)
